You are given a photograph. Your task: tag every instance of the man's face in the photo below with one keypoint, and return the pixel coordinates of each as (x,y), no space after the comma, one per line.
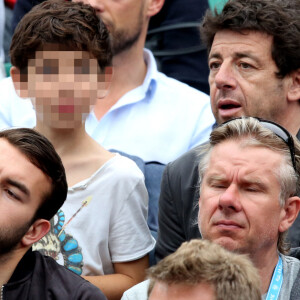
(22,187)
(63,85)
(242,77)
(163,291)
(239,203)
(125,20)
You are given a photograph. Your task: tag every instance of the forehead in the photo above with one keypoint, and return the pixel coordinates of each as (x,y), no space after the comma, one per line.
(63,54)
(163,291)
(228,42)
(15,165)
(237,156)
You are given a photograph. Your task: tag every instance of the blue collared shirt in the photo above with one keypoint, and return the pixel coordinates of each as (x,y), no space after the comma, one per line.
(157,121)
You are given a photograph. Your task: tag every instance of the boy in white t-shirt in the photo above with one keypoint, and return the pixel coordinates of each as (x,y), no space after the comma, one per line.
(61,59)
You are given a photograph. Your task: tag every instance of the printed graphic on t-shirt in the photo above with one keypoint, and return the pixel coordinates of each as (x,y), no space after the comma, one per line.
(60,245)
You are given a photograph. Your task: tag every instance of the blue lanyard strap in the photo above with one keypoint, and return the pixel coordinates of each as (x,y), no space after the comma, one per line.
(276,282)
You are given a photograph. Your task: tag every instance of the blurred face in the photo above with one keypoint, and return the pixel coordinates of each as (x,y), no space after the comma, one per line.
(123,18)
(163,291)
(242,77)
(239,203)
(63,86)
(22,187)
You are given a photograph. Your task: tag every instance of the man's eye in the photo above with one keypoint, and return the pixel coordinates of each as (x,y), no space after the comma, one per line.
(214,65)
(245,66)
(218,186)
(11,194)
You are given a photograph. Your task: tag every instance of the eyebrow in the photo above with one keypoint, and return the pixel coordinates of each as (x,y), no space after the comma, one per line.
(19,185)
(236,55)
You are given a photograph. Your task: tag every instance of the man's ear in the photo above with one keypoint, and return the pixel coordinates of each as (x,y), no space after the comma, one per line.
(36,231)
(21,87)
(154,6)
(294,89)
(104,82)
(289,213)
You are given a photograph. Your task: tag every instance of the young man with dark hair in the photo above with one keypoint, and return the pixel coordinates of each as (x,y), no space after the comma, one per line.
(33,187)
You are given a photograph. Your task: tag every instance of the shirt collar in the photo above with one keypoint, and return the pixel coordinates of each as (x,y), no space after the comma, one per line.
(152,73)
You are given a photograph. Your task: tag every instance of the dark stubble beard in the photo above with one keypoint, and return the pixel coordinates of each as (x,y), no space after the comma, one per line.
(10,238)
(123,40)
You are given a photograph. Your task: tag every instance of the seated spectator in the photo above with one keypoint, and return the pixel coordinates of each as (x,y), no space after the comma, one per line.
(246,79)
(33,187)
(200,269)
(61,59)
(249,176)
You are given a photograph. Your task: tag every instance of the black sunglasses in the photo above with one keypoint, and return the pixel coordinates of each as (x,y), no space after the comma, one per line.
(279,131)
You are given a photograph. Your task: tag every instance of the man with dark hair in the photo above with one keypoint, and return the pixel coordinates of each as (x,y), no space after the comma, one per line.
(33,187)
(254,63)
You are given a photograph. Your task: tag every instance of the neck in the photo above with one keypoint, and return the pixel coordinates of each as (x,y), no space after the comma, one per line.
(64,140)
(290,120)
(129,71)
(265,265)
(8,264)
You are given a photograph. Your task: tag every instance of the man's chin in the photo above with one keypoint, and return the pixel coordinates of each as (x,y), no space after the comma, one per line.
(221,118)
(229,244)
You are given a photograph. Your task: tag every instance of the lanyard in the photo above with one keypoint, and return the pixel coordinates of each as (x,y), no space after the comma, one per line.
(276,282)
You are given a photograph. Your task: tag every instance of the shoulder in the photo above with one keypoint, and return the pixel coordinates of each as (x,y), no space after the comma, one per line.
(137,292)
(124,167)
(187,162)
(63,282)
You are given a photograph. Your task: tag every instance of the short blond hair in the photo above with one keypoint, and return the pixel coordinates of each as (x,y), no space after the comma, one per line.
(232,276)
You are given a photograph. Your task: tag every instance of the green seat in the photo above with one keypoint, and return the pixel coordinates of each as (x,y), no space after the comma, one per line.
(7,67)
(218,4)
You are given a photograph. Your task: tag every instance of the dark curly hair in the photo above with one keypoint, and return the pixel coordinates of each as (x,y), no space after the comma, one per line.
(71,25)
(278,18)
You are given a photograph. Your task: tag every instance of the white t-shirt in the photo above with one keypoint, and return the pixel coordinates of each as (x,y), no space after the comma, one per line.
(103,221)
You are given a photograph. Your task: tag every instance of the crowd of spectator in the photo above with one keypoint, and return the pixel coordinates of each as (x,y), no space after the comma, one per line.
(130,128)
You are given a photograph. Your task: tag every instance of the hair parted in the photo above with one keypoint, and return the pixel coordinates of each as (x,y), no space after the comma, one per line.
(232,276)
(71,25)
(40,152)
(278,18)
(250,133)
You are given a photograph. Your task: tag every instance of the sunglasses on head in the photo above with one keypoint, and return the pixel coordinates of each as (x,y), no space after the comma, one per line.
(280,131)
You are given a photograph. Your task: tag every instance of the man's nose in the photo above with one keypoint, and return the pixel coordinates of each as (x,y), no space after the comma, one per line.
(225,77)
(230,199)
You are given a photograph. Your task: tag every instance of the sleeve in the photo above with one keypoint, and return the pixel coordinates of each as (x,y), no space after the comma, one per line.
(87,291)
(170,231)
(129,236)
